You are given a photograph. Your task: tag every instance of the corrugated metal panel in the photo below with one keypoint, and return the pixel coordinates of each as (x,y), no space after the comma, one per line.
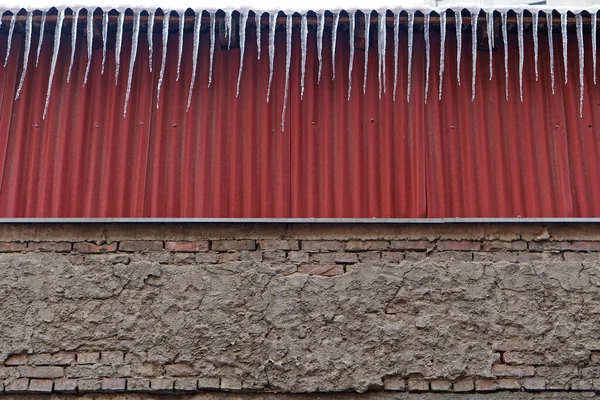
(336,158)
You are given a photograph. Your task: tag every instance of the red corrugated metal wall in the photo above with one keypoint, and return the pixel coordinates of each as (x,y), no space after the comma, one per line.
(228,157)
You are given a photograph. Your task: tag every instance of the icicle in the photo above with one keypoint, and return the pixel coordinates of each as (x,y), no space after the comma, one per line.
(458,17)
(57,31)
(242,29)
(213,34)
(180,52)
(303,39)
(563,31)
(367,28)
(550,47)
(150,34)
(411,22)
(228,28)
(104,38)
(118,45)
(579,25)
(272,26)
(134,47)
(381,42)
(320,29)
(42,29)
(288,60)
(427,55)
(11,30)
(73,42)
(594,32)
(474,16)
(534,19)
(442,50)
(163,60)
(257,17)
(334,28)
(197,26)
(505,40)
(489,19)
(396,39)
(520,39)
(352,23)
(28,29)
(90,41)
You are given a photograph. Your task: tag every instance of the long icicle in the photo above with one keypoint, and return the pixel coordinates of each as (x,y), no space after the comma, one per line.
(594,33)
(411,23)
(334,28)
(228,31)
(57,31)
(11,30)
(303,45)
(381,42)
(134,47)
(563,31)
(396,45)
(90,42)
(288,60)
(427,54)
(213,34)
(579,26)
(320,29)
(534,22)
(474,17)
(505,40)
(242,30)
(163,60)
(367,28)
(550,47)
(73,42)
(41,40)
(119,44)
(197,26)
(180,47)
(150,34)
(489,20)
(521,51)
(28,29)
(442,51)
(257,18)
(352,26)
(272,26)
(104,39)
(458,16)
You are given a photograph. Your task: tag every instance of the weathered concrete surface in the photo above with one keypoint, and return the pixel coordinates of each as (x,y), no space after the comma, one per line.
(434,318)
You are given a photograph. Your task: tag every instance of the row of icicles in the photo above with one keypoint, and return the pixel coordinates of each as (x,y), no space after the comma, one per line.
(243,19)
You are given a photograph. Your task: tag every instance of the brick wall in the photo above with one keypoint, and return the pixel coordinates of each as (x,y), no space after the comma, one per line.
(299,308)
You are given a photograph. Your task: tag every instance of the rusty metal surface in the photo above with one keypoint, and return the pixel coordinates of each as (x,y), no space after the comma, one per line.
(361,158)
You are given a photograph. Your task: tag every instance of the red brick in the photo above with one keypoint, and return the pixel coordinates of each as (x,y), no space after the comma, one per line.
(61,358)
(411,245)
(16,359)
(88,358)
(114,384)
(417,385)
(41,372)
(441,385)
(324,270)
(92,248)
(392,256)
(65,385)
(486,385)
(278,245)
(534,383)
(366,245)
(131,246)
(549,246)
(394,383)
(40,385)
(509,384)
(346,258)
(459,245)
(585,246)
(59,247)
(226,245)
(17,386)
(464,385)
(496,245)
(298,256)
(10,247)
(512,370)
(188,247)
(322,245)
